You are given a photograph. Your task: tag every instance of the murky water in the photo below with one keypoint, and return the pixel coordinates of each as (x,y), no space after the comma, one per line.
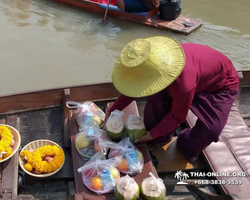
(44,44)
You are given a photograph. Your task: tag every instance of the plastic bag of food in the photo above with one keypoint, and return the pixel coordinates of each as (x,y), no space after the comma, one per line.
(135,127)
(132,161)
(87,111)
(87,141)
(126,189)
(153,188)
(100,175)
(114,126)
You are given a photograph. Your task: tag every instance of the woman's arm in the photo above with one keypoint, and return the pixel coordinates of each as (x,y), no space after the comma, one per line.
(121,103)
(180,106)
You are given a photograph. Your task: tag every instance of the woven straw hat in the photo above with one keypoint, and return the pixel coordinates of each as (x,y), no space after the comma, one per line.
(147,66)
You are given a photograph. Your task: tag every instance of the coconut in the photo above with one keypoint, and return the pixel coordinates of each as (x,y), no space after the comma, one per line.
(135,127)
(126,189)
(115,127)
(153,188)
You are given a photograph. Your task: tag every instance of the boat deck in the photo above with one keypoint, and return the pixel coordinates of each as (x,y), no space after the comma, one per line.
(48,124)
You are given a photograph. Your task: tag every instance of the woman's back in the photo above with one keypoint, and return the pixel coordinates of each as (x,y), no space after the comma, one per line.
(206,69)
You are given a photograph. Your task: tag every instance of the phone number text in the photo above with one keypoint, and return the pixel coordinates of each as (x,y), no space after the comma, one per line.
(218,182)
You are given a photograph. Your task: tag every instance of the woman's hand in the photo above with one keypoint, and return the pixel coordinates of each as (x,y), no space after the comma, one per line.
(144,138)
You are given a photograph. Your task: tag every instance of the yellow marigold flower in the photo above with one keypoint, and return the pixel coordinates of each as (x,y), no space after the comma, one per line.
(8,152)
(28,167)
(23,154)
(5,135)
(36,161)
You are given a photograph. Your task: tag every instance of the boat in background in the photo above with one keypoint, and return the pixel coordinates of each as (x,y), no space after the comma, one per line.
(182,24)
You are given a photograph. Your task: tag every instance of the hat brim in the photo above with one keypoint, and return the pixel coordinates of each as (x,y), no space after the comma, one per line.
(141,82)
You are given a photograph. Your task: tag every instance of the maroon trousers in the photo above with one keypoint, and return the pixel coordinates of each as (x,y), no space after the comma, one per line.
(212,110)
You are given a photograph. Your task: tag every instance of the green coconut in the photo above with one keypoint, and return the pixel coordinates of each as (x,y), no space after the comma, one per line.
(115,127)
(126,189)
(153,188)
(135,127)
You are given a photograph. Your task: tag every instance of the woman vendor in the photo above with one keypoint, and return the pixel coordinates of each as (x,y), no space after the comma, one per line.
(175,78)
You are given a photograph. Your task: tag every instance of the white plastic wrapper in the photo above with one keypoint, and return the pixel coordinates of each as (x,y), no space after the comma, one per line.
(86,112)
(114,126)
(135,127)
(132,161)
(100,175)
(153,187)
(87,141)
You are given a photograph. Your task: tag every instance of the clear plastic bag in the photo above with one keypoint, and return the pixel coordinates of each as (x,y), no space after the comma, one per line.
(135,127)
(115,126)
(87,111)
(87,142)
(100,175)
(153,187)
(126,188)
(132,161)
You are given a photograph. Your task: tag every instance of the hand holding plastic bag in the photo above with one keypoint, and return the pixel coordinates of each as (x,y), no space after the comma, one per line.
(114,126)
(135,127)
(87,141)
(132,159)
(86,112)
(153,187)
(100,175)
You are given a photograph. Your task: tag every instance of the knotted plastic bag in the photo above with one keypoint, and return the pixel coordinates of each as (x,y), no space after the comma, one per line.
(86,112)
(100,175)
(87,141)
(132,161)
(135,127)
(153,187)
(126,188)
(114,126)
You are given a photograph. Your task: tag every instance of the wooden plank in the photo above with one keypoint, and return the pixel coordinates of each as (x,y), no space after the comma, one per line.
(66,132)
(171,159)
(47,98)
(2,121)
(71,190)
(182,24)
(25,197)
(10,167)
(246,78)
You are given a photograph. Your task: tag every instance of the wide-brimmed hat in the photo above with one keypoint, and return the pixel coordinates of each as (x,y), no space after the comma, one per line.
(148,65)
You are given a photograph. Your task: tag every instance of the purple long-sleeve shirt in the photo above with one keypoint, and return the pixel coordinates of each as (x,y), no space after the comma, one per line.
(205,70)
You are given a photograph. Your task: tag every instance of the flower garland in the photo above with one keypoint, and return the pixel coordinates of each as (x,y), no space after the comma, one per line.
(5,142)
(35,159)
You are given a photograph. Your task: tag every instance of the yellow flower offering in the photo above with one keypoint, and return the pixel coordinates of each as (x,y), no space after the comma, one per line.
(45,159)
(6,143)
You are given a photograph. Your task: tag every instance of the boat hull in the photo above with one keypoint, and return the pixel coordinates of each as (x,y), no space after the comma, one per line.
(182,24)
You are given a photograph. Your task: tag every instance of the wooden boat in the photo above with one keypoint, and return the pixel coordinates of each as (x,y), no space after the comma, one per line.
(182,24)
(44,115)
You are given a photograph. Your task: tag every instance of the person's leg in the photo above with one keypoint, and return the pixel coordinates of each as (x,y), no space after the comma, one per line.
(156,108)
(132,6)
(212,111)
(120,5)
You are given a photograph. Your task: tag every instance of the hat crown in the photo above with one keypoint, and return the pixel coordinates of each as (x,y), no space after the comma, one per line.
(135,52)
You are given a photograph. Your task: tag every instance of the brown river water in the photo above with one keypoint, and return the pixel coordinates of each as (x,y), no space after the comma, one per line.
(44,44)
